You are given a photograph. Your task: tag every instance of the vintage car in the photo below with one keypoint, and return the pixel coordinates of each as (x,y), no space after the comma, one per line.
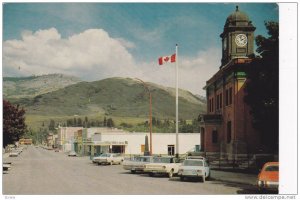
(72,153)
(97,158)
(194,167)
(163,165)
(136,164)
(110,158)
(268,178)
(14,153)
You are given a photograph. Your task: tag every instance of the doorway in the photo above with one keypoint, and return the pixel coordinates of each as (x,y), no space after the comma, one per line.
(171,149)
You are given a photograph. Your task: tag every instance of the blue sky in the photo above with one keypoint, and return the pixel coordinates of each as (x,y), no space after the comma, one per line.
(121,39)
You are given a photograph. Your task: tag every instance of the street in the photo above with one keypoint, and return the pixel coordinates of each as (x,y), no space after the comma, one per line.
(44,172)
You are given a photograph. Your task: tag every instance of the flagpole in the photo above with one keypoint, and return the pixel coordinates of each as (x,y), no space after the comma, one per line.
(177,143)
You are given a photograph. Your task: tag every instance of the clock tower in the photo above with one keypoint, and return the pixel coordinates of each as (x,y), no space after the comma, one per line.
(237,37)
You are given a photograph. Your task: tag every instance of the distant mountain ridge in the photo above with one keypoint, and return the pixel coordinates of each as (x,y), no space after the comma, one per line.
(24,87)
(123,97)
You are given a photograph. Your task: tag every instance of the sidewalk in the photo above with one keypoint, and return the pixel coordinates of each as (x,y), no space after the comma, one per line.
(234,177)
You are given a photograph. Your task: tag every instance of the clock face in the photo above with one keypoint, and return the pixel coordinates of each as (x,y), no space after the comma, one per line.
(241,40)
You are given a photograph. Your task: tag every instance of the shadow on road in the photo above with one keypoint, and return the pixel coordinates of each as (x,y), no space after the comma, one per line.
(243,188)
(191,180)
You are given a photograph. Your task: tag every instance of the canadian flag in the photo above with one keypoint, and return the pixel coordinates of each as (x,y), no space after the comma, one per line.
(166,59)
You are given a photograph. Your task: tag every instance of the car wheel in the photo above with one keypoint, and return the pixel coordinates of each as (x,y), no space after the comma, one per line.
(181,178)
(208,177)
(151,174)
(171,173)
(133,171)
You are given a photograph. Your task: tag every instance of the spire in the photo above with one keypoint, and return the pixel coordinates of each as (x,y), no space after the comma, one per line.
(236,8)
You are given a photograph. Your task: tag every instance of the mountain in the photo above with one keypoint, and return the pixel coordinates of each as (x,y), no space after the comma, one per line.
(26,87)
(121,97)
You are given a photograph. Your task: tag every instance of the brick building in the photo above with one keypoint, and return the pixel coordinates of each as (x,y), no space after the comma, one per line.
(226,128)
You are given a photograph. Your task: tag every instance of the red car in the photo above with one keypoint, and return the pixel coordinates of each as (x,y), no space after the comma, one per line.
(268,178)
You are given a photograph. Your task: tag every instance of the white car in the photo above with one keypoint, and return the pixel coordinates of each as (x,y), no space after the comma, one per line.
(136,164)
(14,153)
(110,158)
(196,167)
(72,153)
(163,165)
(97,158)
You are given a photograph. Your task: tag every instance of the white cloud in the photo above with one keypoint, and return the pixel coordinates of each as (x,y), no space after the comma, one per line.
(94,55)
(90,53)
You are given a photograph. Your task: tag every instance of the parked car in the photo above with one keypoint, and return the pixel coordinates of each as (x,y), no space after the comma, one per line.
(194,167)
(6,167)
(163,165)
(97,158)
(268,178)
(14,153)
(110,158)
(72,153)
(136,164)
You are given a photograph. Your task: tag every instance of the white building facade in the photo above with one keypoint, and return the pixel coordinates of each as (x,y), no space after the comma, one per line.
(94,141)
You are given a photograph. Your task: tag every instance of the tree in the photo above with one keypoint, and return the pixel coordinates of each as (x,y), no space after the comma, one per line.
(74,122)
(104,122)
(110,123)
(52,125)
(262,90)
(13,123)
(79,122)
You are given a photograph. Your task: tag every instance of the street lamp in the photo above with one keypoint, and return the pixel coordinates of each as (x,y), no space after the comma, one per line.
(150,112)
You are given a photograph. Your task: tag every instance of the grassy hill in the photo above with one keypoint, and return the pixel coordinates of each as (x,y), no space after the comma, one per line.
(24,87)
(123,99)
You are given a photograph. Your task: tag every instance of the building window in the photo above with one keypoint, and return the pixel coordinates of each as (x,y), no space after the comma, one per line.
(211,105)
(171,150)
(226,98)
(218,102)
(230,96)
(215,136)
(229,132)
(221,100)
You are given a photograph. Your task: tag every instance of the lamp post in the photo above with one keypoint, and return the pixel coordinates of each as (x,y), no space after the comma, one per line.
(150,112)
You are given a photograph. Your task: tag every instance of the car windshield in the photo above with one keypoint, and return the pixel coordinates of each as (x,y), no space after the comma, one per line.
(162,160)
(193,163)
(272,168)
(104,155)
(144,159)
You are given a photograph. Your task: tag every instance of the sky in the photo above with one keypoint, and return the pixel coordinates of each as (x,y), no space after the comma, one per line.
(94,41)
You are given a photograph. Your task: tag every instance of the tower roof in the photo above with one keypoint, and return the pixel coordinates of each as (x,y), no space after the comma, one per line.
(237,18)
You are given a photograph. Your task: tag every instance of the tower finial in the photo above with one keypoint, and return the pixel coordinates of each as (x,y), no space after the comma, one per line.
(237,8)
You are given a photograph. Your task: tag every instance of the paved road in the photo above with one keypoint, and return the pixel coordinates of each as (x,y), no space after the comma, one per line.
(42,172)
